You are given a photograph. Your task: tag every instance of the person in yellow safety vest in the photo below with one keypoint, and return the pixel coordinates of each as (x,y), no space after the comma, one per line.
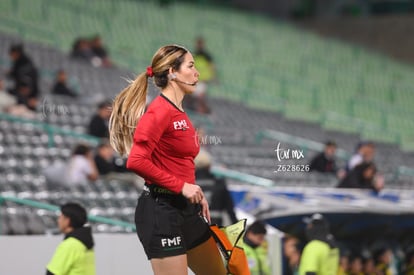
(320,255)
(206,67)
(256,250)
(75,254)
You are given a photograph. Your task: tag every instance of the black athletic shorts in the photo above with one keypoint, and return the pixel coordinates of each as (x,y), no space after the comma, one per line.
(168,224)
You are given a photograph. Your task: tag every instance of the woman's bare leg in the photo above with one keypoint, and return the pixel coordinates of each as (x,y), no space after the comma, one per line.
(205,259)
(176,265)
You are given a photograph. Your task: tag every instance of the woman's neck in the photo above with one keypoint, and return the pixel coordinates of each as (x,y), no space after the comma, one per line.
(174,96)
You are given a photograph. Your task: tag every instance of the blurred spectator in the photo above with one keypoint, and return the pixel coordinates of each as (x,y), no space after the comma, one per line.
(100,54)
(54,171)
(343,264)
(355,265)
(205,66)
(104,160)
(382,258)
(409,262)
(26,103)
(204,61)
(365,153)
(23,71)
(256,249)
(81,49)
(320,255)
(60,87)
(6,100)
(91,50)
(220,202)
(369,266)
(81,167)
(362,176)
(25,96)
(25,77)
(324,162)
(291,255)
(98,125)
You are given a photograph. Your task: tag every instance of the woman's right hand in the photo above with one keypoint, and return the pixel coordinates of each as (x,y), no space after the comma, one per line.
(192,192)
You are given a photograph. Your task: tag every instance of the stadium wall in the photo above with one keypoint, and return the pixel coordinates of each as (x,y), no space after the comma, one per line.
(115,254)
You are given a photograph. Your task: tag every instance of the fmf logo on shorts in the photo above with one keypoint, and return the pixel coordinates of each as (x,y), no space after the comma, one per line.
(180,125)
(170,242)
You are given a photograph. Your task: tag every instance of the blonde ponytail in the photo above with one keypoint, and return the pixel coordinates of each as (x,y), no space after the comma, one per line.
(127,109)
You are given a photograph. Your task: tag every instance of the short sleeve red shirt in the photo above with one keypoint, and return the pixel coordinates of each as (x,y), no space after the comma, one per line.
(165,145)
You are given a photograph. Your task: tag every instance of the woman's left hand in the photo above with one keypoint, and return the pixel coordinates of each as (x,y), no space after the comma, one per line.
(205,212)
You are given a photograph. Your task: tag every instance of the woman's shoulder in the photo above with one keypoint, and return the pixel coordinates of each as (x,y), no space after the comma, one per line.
(157,112)
(158,103)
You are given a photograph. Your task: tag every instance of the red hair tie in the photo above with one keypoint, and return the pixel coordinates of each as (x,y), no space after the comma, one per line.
(150,73)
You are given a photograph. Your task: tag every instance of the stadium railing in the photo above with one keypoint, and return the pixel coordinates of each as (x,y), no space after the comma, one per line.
(242,177)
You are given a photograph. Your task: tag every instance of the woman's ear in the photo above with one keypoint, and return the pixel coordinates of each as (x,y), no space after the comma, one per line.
(171,74)
(170,71)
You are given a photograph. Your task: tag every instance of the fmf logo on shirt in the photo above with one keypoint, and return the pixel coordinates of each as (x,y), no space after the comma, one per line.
(180,125)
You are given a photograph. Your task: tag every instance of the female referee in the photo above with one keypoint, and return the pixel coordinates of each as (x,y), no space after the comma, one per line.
(161,148)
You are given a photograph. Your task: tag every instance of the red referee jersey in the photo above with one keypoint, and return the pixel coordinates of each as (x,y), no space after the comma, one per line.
(165,145)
